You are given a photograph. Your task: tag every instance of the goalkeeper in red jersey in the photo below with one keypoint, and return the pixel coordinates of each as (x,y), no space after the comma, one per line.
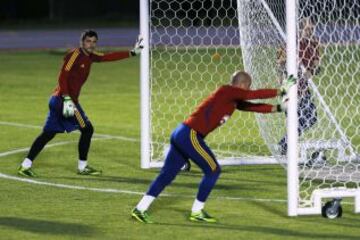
(65,112)
(187,140)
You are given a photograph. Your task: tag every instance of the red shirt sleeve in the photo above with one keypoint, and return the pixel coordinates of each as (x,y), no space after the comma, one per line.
(238,94)
(254,107)
(69,61)
(106,57)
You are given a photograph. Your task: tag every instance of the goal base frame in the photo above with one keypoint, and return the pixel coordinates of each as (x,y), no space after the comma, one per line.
(319,194)
(257,160)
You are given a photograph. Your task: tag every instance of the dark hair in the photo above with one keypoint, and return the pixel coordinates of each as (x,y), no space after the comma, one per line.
(88,33)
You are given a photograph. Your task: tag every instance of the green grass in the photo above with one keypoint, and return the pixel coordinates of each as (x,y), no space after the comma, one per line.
(111,100)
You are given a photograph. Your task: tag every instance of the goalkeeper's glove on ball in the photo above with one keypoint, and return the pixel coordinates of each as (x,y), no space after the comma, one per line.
(68,107)
(139,45)
(287,84)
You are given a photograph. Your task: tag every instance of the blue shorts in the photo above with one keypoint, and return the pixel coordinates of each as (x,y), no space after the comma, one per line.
(186,143)
(56,122)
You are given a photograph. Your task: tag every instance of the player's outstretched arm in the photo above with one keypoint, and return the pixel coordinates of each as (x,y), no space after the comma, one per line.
(260,107)
(109,57)
(239,94)
(115,56)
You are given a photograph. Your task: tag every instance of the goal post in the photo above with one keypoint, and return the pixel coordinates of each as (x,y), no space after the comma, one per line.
(292,116)
(145,86)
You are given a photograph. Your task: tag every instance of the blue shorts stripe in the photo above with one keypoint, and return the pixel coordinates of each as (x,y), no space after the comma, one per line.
(201,151)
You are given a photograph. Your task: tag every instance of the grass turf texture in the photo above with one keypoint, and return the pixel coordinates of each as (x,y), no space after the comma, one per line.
(111,100)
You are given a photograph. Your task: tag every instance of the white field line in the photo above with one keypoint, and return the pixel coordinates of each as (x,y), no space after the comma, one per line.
(112,190)
(95,134)
(105,190)
(58,185)
(19,150)
(130,192)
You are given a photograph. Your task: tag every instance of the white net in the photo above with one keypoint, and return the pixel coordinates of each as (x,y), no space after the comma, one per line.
(195,47)
(328,91)
(329,148)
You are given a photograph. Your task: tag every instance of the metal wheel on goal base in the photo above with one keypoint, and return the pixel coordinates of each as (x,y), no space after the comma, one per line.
(332,209)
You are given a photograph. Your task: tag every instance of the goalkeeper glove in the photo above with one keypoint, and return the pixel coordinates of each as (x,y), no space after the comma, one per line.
(138,47)
(282,107)
(68,107)
(287,84)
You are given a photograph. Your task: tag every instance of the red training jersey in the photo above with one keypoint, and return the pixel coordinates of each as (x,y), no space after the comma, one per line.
(217,108)
(76,68)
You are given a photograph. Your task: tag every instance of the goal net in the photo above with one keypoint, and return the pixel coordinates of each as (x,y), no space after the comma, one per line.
(194,47)
(328,52)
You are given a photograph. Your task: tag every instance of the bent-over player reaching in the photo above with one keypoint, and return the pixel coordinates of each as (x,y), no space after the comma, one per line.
(187,140)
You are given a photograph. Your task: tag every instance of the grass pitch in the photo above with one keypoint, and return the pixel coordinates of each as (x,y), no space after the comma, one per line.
(249,201)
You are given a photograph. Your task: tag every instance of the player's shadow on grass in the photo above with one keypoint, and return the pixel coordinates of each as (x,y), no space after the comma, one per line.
(345,221)
(271,207)
(234,172)
(114,179)
(267,231)
(264,170)
(47,227)
(239,186)
(243,179)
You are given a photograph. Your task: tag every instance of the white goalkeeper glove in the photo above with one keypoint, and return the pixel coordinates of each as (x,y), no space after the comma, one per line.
(139,45)
(287,84)
(282,107)
(68,107)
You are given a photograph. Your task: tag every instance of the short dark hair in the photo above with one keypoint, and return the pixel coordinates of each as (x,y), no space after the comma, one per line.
(88,33)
